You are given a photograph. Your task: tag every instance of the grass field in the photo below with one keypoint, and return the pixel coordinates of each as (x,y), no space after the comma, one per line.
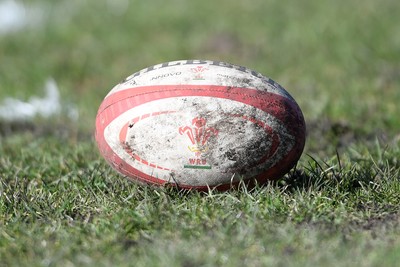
(62,205)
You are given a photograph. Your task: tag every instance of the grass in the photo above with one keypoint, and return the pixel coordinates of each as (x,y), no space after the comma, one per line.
(62,205)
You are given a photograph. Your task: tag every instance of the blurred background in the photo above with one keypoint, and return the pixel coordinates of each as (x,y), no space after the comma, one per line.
(339,59)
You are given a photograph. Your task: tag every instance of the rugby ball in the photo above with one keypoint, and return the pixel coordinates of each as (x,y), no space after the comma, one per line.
(200,124)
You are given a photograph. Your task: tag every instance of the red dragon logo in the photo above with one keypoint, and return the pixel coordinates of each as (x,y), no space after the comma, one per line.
(198,71)
(198,134)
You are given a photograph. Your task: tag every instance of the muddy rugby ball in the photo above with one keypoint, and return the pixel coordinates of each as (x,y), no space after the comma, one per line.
(200,124)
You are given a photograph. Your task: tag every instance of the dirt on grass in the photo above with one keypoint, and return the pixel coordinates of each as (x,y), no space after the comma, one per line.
(325,136)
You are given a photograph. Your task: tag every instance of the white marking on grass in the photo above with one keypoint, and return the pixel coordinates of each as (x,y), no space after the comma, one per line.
(12,109)
(15,16)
